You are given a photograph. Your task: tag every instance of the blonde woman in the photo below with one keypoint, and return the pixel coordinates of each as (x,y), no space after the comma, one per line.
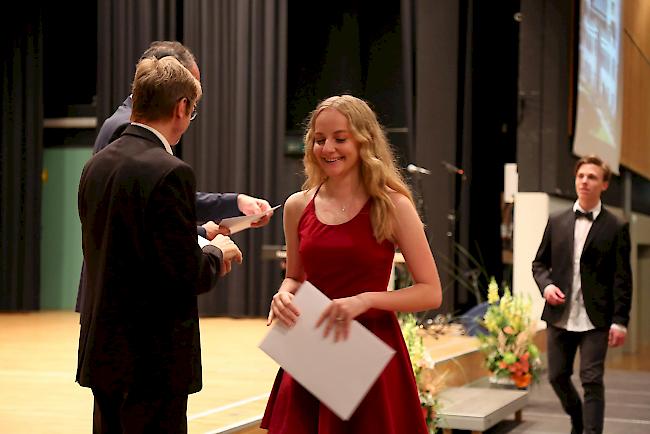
(341,233)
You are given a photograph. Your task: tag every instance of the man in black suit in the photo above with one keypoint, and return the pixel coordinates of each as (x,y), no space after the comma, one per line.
(583,270)
(139,345)
(210,207)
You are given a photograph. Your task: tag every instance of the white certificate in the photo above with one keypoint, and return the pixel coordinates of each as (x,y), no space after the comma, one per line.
(236,224)
(203,241)
(339,373)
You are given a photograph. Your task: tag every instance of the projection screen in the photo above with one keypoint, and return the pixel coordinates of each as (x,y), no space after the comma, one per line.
(600,87)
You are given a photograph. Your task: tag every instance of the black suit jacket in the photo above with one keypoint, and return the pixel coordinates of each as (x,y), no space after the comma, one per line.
(605,272)
(144,268)
(209,206)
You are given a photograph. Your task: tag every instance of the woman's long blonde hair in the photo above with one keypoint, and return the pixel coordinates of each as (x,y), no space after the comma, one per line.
(378,169)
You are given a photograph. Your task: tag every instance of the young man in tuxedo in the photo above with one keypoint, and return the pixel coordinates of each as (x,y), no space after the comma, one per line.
(583,270)
(139,345)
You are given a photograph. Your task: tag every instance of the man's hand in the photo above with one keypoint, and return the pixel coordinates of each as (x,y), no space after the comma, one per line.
(553,295)
(252,205)
(616,337)
(229,250)
(212,230)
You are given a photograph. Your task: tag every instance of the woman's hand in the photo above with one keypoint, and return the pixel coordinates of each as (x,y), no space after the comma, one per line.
(340,312)
(282,307)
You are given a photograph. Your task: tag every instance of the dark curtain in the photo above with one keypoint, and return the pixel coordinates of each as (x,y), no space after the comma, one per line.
(494,127)
(407,19)
(125,28)
(435,83)
(236,143)
(21,126)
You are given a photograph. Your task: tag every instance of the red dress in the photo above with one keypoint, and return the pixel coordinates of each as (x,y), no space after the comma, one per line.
(344,260)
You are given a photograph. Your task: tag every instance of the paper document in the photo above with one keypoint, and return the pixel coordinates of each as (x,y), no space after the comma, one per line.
(236,224)
(339,373)
(203,241)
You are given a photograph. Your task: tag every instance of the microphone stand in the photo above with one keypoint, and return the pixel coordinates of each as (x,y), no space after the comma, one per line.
(451,231)
(452,221)
(420,203)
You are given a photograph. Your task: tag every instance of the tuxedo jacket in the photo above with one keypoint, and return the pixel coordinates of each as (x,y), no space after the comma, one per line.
(209,206)
(144,269)
(605,272)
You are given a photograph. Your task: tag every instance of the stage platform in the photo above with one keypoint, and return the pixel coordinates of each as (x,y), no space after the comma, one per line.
(38,356)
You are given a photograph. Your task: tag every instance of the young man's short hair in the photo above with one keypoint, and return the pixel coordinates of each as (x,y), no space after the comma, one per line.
(596,161)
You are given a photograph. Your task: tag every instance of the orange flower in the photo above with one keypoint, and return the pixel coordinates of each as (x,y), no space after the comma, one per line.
(522,380)
(508,330)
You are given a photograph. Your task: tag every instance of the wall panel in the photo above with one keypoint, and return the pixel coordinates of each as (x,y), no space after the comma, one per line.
(635,149)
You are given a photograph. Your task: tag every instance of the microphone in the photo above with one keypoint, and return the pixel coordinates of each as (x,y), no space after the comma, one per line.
(412,168)
(453,169)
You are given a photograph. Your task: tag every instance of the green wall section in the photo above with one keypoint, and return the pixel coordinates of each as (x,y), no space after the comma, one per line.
(61,254)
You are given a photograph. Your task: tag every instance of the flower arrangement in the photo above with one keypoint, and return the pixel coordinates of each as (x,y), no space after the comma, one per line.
(428,382)
(508,346)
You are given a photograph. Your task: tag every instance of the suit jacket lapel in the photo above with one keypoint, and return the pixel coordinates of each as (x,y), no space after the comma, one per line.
(569,224)
(596,228)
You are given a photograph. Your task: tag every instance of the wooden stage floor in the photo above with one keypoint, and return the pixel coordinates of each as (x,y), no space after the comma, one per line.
(38,356)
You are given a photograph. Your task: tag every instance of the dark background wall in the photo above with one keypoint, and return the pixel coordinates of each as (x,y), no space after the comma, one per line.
(69,58)
(467,82)
(355,48)
(494,33)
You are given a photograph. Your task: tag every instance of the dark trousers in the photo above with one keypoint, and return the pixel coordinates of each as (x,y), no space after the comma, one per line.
(562,346)
(132,413)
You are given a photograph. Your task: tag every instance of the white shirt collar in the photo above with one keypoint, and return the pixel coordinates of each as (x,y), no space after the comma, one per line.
(595,210)
(158,134)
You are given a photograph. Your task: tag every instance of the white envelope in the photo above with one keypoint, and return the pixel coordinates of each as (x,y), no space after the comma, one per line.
(340,373)
(237,224)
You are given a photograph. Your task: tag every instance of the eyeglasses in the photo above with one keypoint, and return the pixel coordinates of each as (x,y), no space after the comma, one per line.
(194,111)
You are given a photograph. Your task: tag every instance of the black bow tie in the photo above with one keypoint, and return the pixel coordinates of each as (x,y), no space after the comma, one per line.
(588,215)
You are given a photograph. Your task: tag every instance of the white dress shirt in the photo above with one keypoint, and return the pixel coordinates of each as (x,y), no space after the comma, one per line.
(162,138)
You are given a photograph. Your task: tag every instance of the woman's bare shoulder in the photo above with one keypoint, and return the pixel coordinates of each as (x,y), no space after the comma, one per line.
(398,199)
(296,203)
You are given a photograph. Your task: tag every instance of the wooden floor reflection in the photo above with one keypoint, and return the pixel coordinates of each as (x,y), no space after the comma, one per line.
(640,361)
